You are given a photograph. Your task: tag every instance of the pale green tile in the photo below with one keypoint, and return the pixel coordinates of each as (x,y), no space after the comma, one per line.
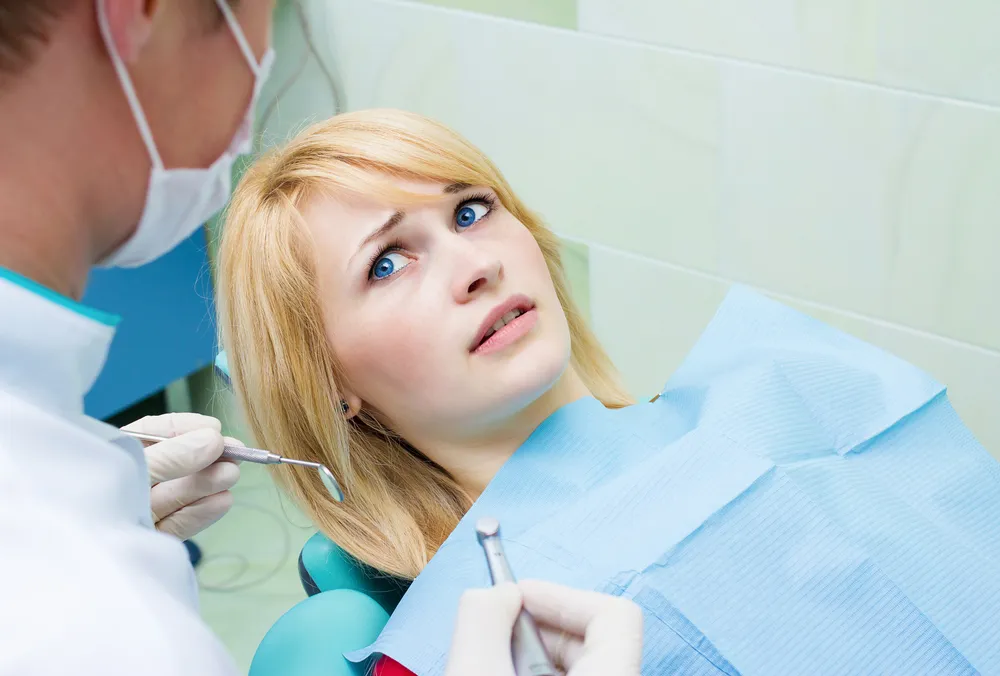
(559,13)
(242,620)
(209,395)
(648,332)
(576,262)
(944,48)
(178,395)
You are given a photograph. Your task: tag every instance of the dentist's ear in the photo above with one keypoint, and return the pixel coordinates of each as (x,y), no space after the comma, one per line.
(131,24)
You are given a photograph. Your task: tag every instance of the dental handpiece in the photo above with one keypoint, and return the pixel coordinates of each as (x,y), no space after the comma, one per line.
(527,650)
(261,457)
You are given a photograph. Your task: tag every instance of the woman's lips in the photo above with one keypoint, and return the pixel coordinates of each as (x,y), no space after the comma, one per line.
(516,303)
(513,331)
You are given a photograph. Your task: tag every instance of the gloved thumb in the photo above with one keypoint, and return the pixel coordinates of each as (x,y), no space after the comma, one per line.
(483,628)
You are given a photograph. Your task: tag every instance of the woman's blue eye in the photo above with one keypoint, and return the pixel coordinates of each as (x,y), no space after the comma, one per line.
(389,264)
(470,213)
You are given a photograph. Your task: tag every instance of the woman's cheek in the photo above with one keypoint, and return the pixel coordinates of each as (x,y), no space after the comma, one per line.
(399,355)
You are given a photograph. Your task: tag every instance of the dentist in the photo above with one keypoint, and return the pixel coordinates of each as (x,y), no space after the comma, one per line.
(119,124)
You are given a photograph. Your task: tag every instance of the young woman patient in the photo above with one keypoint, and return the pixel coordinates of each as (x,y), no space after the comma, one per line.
(391,309)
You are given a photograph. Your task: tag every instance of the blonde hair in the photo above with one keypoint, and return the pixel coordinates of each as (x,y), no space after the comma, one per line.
(400,506)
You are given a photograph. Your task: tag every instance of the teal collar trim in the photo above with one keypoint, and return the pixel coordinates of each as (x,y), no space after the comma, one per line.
(59,299)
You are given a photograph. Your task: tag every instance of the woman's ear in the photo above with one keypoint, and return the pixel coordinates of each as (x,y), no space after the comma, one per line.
(350,405)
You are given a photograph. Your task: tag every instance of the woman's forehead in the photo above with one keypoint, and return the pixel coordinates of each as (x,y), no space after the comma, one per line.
(338,222)
(384,194)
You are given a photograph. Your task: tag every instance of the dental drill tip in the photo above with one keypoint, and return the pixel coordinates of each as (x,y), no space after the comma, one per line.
(487,527)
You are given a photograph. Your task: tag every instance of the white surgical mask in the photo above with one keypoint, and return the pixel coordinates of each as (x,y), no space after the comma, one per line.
(178,201)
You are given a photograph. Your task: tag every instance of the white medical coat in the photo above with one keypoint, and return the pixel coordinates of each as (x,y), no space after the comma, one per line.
(87,585)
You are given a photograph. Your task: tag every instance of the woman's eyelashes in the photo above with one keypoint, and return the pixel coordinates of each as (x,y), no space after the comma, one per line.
(388,261)
(392,258)
(473,209)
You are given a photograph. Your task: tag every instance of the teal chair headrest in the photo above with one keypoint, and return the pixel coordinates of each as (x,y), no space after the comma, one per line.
(348,606)
(313,636)
(324,566)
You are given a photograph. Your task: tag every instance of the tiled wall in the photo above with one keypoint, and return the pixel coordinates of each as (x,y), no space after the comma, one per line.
(560,13)
(844,156)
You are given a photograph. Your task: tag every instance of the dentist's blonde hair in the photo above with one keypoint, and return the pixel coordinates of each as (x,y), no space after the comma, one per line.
(400,506)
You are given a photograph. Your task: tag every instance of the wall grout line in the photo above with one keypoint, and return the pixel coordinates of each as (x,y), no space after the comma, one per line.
(730,60)
(802,72)
(884,323)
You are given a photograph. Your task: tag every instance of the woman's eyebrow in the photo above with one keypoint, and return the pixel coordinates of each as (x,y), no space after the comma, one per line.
(397,217)
(381,230)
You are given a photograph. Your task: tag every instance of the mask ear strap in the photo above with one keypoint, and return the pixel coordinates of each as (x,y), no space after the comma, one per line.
(241,39)
(127,87)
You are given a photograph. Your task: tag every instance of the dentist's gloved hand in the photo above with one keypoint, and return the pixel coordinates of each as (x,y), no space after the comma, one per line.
(189,483)
(586,633)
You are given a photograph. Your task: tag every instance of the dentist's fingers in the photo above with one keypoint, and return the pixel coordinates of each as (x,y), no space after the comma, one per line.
(168,497)
(591,633)
(187,522)
(565,649)
(483,628)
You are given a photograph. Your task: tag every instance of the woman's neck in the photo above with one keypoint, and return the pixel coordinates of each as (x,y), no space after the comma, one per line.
(473,465)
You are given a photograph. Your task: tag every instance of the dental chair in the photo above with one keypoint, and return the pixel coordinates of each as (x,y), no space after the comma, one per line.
(347,606)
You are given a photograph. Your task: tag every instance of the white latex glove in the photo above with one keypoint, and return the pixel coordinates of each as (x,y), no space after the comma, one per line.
(586,633)
(189,484)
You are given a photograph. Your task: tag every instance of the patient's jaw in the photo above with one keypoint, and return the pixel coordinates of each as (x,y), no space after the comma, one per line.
(409,292)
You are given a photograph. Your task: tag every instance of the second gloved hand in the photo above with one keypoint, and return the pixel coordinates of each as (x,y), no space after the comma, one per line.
(189,483)
(585,633)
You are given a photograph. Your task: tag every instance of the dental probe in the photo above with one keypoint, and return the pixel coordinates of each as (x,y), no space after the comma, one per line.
(528,652)
(262,457)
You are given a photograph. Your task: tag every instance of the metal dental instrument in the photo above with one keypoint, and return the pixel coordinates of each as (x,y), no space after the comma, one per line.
(526,647)
(262,457)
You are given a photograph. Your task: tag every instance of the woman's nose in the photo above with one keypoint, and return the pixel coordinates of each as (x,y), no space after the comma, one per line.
(477,273)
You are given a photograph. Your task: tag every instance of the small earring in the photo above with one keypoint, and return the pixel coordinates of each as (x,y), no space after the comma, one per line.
(344,406)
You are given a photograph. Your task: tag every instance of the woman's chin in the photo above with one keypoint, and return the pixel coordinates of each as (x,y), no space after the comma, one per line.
(528,381)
